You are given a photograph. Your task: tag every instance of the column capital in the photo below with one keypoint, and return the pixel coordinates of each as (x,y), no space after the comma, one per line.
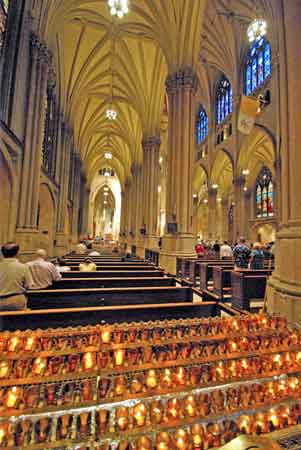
(151,142)
(185,78)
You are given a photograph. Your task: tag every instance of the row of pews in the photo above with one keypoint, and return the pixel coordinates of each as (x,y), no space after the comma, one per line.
(217,280)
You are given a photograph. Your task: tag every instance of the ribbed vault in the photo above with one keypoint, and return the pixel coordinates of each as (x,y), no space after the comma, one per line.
(91,49)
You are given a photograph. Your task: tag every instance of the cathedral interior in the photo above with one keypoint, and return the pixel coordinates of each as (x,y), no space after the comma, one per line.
(148,127)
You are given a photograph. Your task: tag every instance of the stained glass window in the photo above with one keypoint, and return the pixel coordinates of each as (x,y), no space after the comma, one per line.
(201,125)
(264,194)
(223,100)
(258,66)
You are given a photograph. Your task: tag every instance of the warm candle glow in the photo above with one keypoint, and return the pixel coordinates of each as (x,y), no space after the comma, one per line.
(29,344)
(119,357)
(140,414)
(106,336)
(151,379)
(13,344)
(4,369)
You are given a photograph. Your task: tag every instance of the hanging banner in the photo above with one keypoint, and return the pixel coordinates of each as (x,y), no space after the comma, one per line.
(247,114)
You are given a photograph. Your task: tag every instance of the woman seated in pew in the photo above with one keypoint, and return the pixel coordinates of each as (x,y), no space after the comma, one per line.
(87,266)
(257,257)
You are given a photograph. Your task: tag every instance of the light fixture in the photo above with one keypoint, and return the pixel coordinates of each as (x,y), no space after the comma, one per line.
(108,155)
(245,172)
(105,202)
(107,174)
(245,188)
(118,7)
(219,199)
(111,114)
(105,194)
(106,189)
(161,160)
(206,200)
(215,186)
(257,29)
(159,189)
(195,196)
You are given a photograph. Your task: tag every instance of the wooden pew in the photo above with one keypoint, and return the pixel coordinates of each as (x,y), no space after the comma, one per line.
(248,285)
(88,283)
(221,281)
(72,298)
(121,267)
(206,271)
(114,274)
(53,318)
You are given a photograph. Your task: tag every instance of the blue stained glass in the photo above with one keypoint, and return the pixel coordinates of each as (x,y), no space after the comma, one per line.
(258,65)
(254,75)
(223,100)
(248,81)
(201,125)
(267,61)
(260,68)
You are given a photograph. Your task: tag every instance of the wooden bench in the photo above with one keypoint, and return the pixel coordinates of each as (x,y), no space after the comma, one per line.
(72,298)
(206,271)
(221,281)
(53,318)
(88,283)
(121,267)
(114,274)
(248,285)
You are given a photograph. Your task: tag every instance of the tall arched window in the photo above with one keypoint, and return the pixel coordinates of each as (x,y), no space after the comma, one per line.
(223,100)
(201,125)
(264,194)
(258,66)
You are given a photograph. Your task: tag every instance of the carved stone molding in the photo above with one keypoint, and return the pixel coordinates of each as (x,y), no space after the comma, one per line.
(183,79)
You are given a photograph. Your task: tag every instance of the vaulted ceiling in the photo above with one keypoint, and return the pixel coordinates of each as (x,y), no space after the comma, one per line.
(96,55)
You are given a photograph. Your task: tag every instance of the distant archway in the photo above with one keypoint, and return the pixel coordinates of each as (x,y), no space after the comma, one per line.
(46,219)
(5,199)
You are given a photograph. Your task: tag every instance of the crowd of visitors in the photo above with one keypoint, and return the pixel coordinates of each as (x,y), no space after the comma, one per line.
(245,255)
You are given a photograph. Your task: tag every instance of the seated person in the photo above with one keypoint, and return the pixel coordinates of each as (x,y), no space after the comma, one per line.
(87,266)
(15,279)
(94,253)
(257,257)
(81,249)
(43,272)
(61,265)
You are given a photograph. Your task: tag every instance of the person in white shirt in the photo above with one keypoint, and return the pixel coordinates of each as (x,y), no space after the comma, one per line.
(94,253)
(15,279)
(81,249)
(61,266)
(43,273)
(226,251)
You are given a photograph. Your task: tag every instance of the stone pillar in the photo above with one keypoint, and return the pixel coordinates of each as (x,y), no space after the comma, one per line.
(181,90)
(76,197)
(212,214)
(65,144)
(284,287)
(238,224)
(246,214)
(151,151)
(32,157)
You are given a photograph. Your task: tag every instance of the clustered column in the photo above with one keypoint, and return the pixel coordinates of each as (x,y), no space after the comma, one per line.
(32,158)
(181,89)
(76,196)
(151,174)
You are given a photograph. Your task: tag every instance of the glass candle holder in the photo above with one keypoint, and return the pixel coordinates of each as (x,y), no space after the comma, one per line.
(163,441)
(173,409)
(119,357)
(105,335)
(156,412)
(139,413)
(122,418)
(151,379)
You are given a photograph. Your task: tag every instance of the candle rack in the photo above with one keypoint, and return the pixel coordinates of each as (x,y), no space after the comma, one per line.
(164,385)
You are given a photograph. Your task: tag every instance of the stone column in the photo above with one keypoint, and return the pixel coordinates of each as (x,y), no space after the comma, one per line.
(76,198)
(246,214)
(151,151)
(284,287)
(238,224)
(212,214)
(181,90)
(32,157)
(65,144)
